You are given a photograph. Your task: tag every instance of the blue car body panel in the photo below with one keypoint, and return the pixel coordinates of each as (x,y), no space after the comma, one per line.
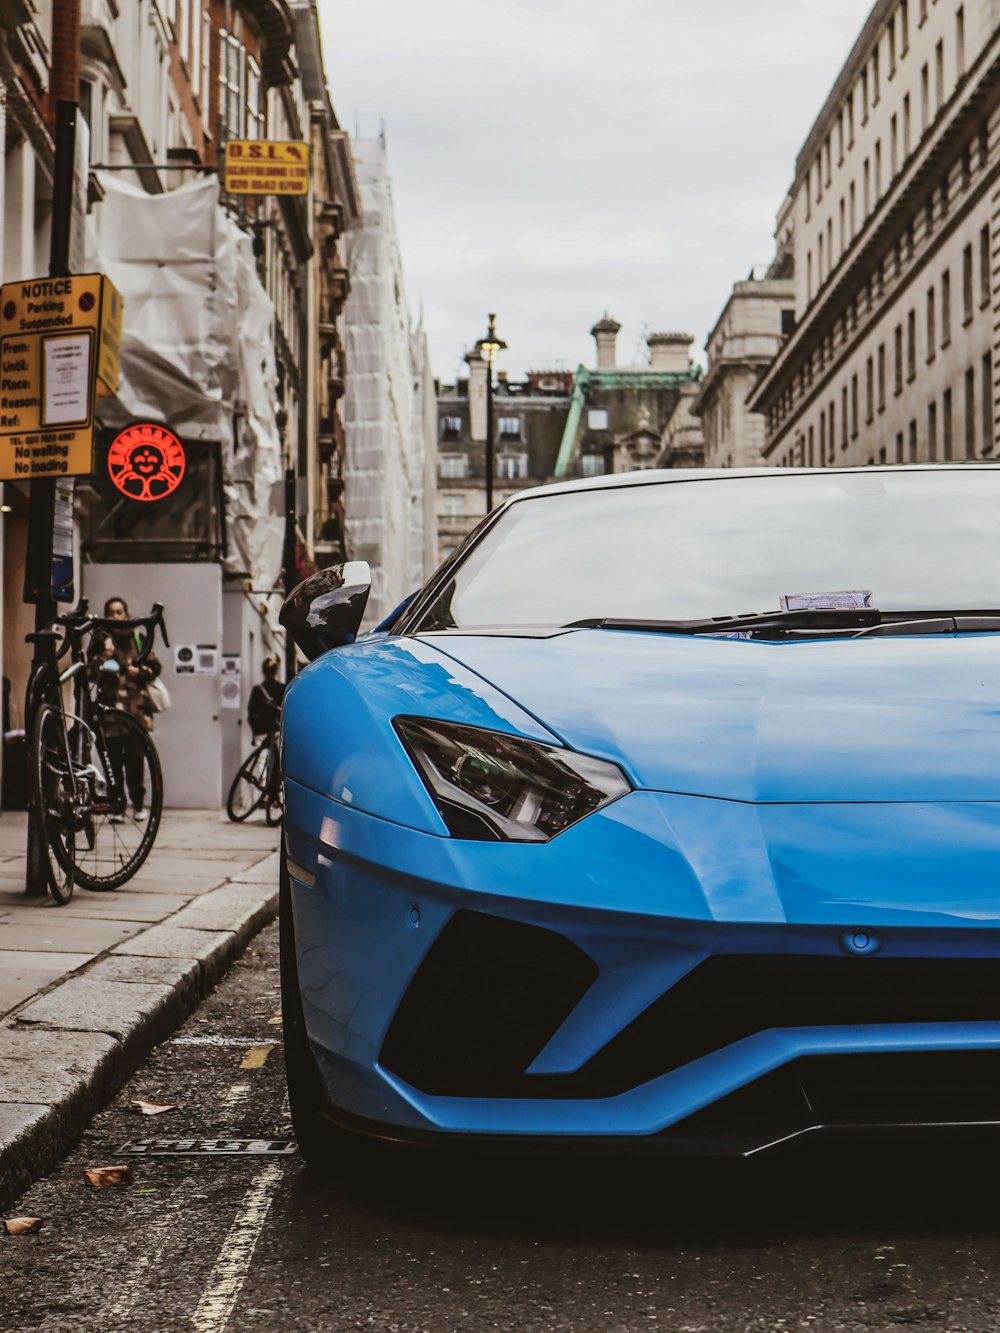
(790,800)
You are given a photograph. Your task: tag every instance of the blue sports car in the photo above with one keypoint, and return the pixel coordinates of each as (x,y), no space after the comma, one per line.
(666,817)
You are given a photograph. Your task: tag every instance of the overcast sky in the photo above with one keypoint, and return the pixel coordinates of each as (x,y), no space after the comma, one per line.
(553,159)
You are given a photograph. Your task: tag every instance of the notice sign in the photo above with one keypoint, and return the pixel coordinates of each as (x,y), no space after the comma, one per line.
(66,360)
(57,335)
(257,166)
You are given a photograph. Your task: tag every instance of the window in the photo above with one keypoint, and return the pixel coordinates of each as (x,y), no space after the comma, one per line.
(851,211)
(985,264)
(960,41)
(898,360)
(826,160)
(911,347)
(232,86)
(929,215)
(970,413)
(932,433)
(986,392)
(946,426)
(907,126)
(850,120)
(869,391)
(829,243)
(913,442)
(925,98)
(881,377)
(867,187)
(899,447)
(510,428)
(904,27)
(833,429)
(452,507)
(452,466)
(967,285)
(512,467)
(938,77)
(255,102)
(843,225)
(592,465)
(809,276)
(876,92)
(451,428)
(840,137)
(945,196)
(931,326)
(891,35)
(864,97)
(822,439)
(966,167)
(984,147)
(843,417)
(923,13)
(854,407)
(812,441)
(893,145)
(819,260)
(597,418)
(945,308)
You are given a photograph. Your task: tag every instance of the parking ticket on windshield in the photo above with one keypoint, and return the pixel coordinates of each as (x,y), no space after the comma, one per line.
(826,601)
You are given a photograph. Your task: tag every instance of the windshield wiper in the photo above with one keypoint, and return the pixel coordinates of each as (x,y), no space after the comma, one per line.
(862,621)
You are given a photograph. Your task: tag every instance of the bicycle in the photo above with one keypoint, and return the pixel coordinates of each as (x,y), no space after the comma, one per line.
(88,763)
(257,783)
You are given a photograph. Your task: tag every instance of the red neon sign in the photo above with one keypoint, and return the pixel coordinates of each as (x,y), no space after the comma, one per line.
(146,462)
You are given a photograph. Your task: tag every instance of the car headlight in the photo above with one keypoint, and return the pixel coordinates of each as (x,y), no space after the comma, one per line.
(492,786)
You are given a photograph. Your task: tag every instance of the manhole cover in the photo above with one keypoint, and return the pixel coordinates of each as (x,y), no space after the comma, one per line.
(220,1147)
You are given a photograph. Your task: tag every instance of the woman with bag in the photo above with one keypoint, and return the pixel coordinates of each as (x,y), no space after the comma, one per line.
(123,685)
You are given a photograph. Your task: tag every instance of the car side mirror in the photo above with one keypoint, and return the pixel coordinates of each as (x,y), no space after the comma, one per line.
(326,609)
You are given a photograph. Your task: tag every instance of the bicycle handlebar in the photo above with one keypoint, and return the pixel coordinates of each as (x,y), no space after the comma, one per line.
(78,622)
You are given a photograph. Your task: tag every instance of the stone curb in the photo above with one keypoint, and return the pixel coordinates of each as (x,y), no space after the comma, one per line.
(69,1051)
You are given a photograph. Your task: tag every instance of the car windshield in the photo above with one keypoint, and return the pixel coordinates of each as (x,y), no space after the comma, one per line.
(680,550)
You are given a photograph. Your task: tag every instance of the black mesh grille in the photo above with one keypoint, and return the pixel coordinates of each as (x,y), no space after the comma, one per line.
(485,1000)
(492,992)
(729,997)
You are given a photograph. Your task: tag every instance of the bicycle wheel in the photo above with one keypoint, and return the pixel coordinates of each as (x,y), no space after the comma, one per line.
(119,828)
(53,802)
(249,787)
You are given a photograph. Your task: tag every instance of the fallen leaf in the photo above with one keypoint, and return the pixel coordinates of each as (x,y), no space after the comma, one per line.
(155,1108)
(20,1226)
(100,1176)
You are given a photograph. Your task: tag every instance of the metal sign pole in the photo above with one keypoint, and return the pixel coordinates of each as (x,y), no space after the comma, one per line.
(41,513)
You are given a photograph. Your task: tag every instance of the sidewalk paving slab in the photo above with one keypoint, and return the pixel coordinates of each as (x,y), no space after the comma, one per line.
(86,990)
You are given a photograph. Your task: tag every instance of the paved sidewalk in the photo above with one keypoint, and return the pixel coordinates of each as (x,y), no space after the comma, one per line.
(87,989)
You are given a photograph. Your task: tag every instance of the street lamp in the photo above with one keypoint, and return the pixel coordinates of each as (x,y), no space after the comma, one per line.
(488,348)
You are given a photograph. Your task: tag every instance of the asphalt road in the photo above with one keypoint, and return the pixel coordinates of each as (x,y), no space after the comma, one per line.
(261,1243)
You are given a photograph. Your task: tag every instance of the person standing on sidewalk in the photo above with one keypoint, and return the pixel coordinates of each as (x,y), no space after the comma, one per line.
(264,706)
(125,686)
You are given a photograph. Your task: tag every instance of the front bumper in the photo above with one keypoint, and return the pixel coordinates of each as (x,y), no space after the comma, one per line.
(624,983)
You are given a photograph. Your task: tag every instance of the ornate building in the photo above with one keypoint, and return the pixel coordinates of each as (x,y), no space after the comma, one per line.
(890,231)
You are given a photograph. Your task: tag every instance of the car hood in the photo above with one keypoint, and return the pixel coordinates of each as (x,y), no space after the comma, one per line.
(910,718)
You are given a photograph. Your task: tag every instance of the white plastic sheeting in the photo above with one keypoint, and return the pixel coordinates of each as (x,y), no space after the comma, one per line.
(384,414)
(197,350)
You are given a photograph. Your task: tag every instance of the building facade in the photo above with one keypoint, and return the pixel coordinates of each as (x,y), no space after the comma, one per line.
(619,414)
(890,229)
(529,418)
(388,505)
(232,325)
(747,336)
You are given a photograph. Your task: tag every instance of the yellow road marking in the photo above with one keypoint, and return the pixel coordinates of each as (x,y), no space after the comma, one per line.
(256,1056)
(226,1280)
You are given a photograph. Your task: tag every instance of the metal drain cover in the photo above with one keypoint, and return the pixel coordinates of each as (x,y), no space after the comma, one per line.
(219,1147)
